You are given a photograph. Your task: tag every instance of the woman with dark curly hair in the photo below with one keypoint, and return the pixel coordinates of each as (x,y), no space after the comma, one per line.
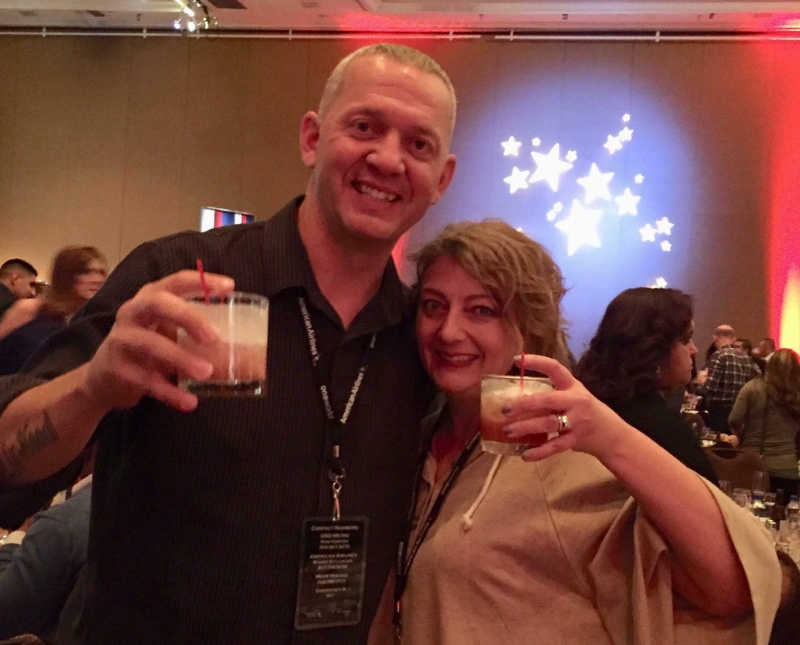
(766,414)
(643,349)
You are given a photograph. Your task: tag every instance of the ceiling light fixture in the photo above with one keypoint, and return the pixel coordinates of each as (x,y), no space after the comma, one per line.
(194,16)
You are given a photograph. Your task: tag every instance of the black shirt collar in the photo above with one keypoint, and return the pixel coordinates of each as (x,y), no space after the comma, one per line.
(282,240)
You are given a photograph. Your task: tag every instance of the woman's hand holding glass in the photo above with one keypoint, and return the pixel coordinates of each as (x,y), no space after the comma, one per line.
(584,422)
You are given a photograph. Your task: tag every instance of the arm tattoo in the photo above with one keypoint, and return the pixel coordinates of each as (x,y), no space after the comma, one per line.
(31,439)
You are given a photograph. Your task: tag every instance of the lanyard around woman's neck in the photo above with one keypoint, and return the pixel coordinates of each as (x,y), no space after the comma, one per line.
(405,558)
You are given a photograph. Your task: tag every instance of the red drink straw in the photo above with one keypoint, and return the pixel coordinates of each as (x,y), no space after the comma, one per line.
(203,280)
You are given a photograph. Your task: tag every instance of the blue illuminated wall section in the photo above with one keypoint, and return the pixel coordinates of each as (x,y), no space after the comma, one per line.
(570,146)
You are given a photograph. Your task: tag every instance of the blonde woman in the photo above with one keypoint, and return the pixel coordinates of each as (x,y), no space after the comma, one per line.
(596,536)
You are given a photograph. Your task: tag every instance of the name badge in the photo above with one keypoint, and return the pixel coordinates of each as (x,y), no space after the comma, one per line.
(330,589)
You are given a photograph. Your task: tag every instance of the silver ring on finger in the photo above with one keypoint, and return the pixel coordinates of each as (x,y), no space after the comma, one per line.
(563,422)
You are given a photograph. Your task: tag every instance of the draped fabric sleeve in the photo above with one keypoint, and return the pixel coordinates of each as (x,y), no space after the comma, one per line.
(632,580)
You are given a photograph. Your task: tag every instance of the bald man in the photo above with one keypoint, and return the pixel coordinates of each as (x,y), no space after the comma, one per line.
(728,371)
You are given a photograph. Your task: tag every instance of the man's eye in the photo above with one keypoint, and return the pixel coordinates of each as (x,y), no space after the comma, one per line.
(362,127)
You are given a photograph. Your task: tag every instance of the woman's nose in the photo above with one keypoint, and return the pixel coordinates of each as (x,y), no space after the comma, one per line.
(451,328)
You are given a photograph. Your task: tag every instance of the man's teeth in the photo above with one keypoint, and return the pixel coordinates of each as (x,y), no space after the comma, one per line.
(377,194)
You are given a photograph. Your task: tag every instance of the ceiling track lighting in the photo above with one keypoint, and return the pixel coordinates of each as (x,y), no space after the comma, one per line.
(194,16)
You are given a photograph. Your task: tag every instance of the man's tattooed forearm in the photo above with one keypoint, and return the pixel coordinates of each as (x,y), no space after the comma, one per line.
(32,438)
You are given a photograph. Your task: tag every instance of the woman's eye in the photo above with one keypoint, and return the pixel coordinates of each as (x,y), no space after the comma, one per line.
(430,307)
(484,311)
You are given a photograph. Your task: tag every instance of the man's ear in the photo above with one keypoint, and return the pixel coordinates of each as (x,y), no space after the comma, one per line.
(309,138)
(446,177)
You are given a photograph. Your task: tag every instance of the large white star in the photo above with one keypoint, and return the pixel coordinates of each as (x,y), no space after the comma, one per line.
(596,184)
(511,147)
(580,227)
(549,167)
(664,226)
(648,233)
(612,144)
(627,203)
(517,180)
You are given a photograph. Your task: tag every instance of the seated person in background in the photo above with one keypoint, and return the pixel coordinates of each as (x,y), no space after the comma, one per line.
(642,349)
(37,576)
(603,536)
(78,273)
(16,283)
(766,415)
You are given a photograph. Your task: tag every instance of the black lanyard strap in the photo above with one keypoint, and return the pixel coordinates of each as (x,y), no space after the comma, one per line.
(334,427)
(406,558)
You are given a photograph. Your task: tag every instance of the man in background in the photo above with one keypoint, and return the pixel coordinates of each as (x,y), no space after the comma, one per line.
(728,371)
(763,352)
(16,281)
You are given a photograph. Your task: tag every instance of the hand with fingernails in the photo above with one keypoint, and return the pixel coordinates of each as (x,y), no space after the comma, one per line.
(584,423)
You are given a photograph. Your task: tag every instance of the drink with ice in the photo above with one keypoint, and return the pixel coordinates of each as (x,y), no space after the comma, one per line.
(239,356)
(496,392)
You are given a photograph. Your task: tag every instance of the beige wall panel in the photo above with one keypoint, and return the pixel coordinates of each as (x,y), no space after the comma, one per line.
(277,95)
(213,133)
(40,168)
(97,101)
(155,121)
(9,115)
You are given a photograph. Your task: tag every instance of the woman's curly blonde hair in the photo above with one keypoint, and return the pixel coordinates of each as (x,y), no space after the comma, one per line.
(517,271)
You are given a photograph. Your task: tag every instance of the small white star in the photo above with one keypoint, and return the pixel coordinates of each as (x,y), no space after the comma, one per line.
(558,207)
(626,117)
(660,283)
(549,167)
(572,156)
(511,147)
(517,180)
(664,226)
(519,229)
(551,215)
(627,203)
(666,246)
(612,144)
(536,142)
(639,178)
(596,184)
(580,227)
(648,233)
(626,134)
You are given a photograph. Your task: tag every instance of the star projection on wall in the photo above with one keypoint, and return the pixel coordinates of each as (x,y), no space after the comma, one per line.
(511,147)
(598,187)
(549,167)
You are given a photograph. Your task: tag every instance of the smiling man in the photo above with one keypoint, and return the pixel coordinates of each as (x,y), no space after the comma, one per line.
(206,514)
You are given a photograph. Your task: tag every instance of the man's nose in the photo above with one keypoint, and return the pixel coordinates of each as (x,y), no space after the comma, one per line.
(388,154)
